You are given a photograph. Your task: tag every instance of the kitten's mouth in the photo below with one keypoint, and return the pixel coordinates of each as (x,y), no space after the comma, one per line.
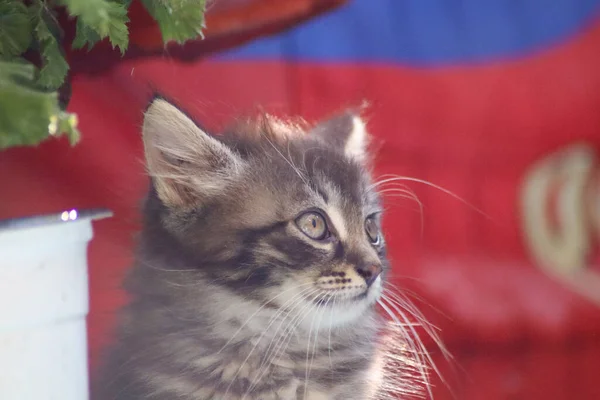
(339,299)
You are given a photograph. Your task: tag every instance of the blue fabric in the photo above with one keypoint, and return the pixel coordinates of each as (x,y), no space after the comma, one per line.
(428,32)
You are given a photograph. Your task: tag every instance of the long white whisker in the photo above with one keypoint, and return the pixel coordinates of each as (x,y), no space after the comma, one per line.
(409,306)
(257,311)
(272,320)
(298,300)
(406,292)
(421,345)
(314,351)
(416,345)
(290,163)
(402,325)
(308,350)
(263,368)
(285,340)
(330,328)
(400,188)
(403,302)
(406,193)
(392,178)
(398,193)
(427,326)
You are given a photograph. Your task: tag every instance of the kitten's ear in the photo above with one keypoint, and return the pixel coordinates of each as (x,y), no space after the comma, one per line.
(186,164)
(347,132)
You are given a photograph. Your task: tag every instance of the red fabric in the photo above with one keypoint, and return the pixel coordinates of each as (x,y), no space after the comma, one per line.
(514,331)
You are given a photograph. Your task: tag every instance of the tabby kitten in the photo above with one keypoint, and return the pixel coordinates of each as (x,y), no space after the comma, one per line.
(260,262)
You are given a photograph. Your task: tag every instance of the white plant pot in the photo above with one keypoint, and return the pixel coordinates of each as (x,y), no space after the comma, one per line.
(43,306)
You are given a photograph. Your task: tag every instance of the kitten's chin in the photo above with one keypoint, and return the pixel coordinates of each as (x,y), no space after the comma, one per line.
(353,309)
(345,309)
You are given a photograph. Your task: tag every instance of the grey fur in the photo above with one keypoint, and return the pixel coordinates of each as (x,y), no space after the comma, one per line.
(220,255)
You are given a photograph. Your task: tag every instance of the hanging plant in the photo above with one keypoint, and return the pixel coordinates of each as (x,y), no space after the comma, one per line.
(34,87)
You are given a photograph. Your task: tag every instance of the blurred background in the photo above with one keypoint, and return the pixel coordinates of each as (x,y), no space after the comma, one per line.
(496,101)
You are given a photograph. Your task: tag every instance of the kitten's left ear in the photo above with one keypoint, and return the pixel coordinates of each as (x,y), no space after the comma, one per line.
(347,132)
(187,165)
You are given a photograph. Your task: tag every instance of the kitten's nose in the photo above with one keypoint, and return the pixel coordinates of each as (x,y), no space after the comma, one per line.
(369,272)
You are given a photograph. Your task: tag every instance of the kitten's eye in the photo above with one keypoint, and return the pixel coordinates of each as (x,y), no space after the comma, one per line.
(372,230)
(313,225)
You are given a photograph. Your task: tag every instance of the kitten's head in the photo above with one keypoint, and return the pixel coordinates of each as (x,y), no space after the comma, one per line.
(270,211)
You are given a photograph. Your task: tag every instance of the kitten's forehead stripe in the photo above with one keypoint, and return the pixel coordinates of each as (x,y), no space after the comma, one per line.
(339,224)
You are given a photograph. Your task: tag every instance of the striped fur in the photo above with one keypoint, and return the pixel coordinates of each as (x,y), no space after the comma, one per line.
(229,298)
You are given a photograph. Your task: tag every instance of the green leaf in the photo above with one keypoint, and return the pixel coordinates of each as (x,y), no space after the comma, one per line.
(15,28)
(54,67)
(28,113)
(98,19)
(85,36)
(179,20)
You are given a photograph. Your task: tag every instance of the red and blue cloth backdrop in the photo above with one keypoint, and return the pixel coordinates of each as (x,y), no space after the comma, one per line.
(465,94)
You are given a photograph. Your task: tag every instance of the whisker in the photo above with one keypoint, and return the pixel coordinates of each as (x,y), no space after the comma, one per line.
(392,178)
(314,351)
(399,299)
(402,325)
(249,355)
(308,351)
(291,330)
(298,301)
(402,301)
(289,162)
(405,293)
(415,343)
(406,193)
(406,304)
(258,310)
(267,359)
(330,328)
(401,188)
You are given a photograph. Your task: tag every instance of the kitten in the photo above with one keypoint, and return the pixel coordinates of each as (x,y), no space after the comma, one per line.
(260,262)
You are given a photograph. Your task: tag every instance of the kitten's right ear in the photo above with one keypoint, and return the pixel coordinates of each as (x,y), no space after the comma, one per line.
(186,164)
(347,132)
